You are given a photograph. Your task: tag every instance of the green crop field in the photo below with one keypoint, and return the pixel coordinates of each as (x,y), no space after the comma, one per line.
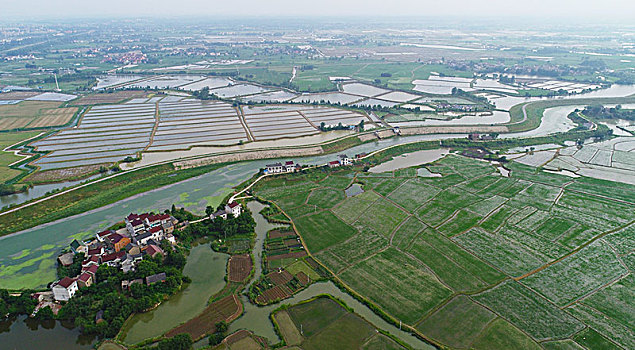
(475,260)
(323,230)
(458,323)
(530,312)
(325,197)
(326,324)
(398,283)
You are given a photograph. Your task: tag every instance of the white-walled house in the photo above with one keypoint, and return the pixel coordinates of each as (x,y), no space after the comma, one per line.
(344,160)
(233,208)
(64,289)
(274,168)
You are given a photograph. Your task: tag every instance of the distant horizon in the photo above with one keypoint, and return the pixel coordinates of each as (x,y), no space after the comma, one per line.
(585,10)
(555,21)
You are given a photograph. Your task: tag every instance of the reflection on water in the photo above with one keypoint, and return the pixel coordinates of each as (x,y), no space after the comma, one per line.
(25,333)
(206,268)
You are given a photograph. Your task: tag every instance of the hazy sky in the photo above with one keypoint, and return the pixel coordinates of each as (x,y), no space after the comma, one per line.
(601,10)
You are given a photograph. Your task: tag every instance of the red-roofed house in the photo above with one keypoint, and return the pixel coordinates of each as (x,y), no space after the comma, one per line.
(112,259)
(92,269)
(64,289)
(118,241)
(96,251)
(233,208)
(84,280)
(101,235)
(334,164)
(92,260)
(153,250)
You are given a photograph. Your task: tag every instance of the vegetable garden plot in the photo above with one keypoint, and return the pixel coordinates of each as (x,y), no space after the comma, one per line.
(397,283)
(577,275)
(457,323)
(529,312)
(509,257)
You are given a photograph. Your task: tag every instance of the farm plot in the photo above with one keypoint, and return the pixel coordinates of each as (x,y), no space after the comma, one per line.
(462,221)
(327,324)
(239,268)
(352,250)
(105,134)
(107,98)
(266,123)
(323,230)
(458,323)
(112,81)
(186,123)
(167,82)
(406,232)
(222,310)
(332,116)
(382,217)
(577,275)
(51,96)
(33,114)
(352,207)
(508,256)
(500,334)
(615,303)
(529,312)
(329,97)
(371,102)
(397,283)
(489,229)
(325,197)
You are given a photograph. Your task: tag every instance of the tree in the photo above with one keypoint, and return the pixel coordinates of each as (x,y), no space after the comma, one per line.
(209,210)
(45,313)
(221,327)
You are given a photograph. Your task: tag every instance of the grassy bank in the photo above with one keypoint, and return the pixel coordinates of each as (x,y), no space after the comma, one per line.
(97,195)
(535,110)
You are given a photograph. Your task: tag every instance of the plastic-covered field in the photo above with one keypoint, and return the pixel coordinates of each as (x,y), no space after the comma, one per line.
(267,123)
(329,97)
(187,123)
(105,134)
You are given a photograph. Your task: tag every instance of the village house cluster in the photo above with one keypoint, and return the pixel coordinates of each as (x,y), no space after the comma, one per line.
(122,249)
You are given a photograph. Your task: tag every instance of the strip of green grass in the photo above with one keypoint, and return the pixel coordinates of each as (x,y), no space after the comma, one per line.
(97,195)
